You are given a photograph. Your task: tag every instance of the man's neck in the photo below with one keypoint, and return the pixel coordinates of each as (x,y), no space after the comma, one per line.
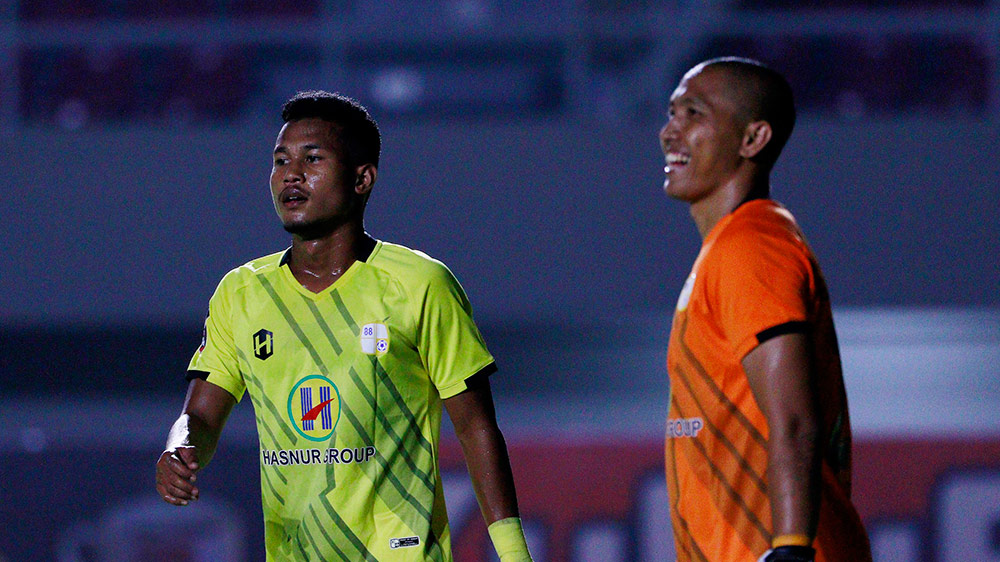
(708,211)
(318,262)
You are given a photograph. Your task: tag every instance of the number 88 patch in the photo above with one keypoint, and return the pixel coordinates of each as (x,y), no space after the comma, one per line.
(374,339)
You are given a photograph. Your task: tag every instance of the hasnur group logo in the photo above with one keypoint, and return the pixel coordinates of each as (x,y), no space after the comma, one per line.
(314,407)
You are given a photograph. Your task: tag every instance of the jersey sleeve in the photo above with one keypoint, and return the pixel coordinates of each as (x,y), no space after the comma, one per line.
(448,340)
(216,359)
(762,281)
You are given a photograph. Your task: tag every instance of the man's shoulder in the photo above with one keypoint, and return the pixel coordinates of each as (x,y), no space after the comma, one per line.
(759,234)
(407,265)
(756,220)
(239,276)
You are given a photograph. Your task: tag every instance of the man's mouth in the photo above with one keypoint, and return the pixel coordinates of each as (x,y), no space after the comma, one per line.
(292,197)
(675,160)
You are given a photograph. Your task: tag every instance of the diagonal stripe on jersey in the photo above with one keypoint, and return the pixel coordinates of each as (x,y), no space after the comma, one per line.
(740,459)
(387,474)
(686,539)
(345,530)
(329,540)
(397,491)
(321,322)
(723,399)
(414,427)
(411,433)
(682,532)
(738,500)
(344,312)
(266,478)
(269,405)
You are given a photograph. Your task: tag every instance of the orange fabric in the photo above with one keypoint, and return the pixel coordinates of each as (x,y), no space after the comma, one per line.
(754,272)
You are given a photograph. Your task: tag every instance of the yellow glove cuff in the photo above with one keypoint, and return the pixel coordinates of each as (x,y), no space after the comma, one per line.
(508,538)
(791,540)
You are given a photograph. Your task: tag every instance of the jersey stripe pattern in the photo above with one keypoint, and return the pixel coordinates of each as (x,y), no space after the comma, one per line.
(347,387)
(755,277)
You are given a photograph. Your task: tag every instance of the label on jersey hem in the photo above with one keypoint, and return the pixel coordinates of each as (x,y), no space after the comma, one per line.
(294,457)
(404,542)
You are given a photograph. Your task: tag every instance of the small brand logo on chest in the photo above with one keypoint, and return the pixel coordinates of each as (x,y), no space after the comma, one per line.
(263,344)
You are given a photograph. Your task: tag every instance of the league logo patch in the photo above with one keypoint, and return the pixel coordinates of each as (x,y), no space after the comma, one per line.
(374,339)
(314,407)
(204,336)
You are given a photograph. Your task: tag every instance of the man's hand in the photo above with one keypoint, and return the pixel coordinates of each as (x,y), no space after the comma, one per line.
(192,440)
(789,554)
(175,475)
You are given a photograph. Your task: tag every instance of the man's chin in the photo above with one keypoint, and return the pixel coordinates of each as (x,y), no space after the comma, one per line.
(670,190)
(305,231)
(311,230)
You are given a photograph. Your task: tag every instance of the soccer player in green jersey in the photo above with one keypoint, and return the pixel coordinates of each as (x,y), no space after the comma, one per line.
(348,347)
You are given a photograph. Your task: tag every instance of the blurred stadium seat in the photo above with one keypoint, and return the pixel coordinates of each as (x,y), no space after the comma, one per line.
(484,59)
(151,10)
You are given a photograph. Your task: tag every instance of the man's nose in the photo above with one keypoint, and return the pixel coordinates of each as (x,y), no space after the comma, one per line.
(668,131)
(293,171)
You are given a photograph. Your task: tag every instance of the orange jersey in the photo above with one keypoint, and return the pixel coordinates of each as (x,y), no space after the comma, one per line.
(754,278)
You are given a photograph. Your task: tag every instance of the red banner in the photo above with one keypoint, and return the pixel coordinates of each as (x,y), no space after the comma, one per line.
(922,500)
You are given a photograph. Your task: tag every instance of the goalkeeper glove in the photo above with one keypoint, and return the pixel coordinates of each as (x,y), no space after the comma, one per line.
(789,554)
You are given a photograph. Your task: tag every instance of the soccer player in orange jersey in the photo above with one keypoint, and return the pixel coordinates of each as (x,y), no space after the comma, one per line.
(758,437)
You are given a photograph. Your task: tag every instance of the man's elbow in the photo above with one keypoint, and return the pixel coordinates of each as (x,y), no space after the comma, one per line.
(478,432)
(798,431)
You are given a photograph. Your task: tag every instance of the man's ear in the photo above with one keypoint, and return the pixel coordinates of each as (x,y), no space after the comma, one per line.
(755,138)
(365,179)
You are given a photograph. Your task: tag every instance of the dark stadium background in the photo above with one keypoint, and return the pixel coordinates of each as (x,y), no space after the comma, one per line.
(519,148)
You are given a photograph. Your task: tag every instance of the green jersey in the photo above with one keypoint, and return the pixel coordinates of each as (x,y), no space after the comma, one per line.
(346,386)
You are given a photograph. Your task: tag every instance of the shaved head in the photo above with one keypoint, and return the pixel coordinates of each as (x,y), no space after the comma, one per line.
(761,94)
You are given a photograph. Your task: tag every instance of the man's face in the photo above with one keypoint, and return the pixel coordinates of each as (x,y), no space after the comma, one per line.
(701,140)
(313,191)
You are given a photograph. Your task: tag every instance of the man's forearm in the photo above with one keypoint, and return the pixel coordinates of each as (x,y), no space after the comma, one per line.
(793,480)
(489,468)
(189,431)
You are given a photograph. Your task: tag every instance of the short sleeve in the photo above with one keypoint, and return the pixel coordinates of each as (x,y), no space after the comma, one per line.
(760,281)
(216,359)
(448,341)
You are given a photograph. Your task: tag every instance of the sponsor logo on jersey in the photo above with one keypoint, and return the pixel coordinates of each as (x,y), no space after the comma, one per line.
(374,339)
(682,301)
(404,542)
(263,344)
(314,407)
(684,427)
(296,457)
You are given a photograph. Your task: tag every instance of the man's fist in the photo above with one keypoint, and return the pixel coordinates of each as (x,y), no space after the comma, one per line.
(175,475)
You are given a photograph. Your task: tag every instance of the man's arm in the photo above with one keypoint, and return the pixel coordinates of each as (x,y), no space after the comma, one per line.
(473,415)
(192,440)
(781,379)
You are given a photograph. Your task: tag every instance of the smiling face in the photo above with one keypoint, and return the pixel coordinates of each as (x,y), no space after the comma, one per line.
(314,192)
(702,139)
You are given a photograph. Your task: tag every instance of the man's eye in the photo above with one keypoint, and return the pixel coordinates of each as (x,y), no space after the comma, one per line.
(313,158)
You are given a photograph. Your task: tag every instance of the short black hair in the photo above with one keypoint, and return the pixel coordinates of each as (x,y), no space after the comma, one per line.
(765,95)
(359,132)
